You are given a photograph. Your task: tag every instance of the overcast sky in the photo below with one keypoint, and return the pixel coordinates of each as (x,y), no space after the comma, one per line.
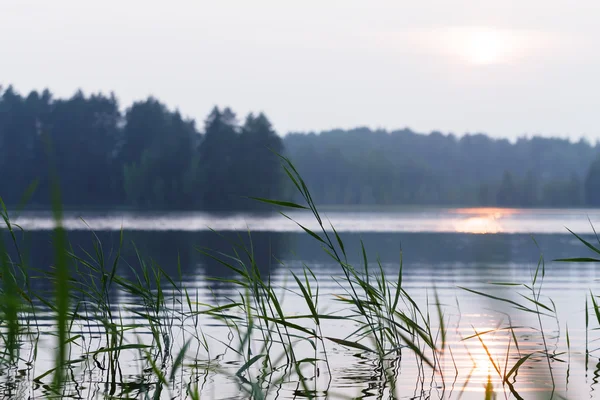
(506,68)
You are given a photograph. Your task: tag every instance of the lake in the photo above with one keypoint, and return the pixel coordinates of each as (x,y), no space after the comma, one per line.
(450,253)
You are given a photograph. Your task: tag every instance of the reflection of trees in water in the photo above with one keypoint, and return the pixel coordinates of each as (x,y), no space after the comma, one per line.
(170,250)
(163,248)
(435,248)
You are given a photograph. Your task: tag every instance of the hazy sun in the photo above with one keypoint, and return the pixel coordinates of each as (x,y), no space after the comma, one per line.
(486,47)
(482,46)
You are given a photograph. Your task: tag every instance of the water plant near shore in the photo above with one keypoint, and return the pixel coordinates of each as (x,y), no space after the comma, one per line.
(156,342)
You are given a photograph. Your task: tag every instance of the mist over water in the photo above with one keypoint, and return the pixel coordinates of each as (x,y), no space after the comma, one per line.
(370,219)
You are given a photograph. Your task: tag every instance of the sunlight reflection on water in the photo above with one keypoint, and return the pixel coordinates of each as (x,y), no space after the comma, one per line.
(481,225)
(465,220)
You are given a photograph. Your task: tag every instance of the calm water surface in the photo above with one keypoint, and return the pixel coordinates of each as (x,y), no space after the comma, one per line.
(442,248)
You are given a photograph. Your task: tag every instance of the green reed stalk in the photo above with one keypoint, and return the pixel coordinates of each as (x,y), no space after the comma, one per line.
(61,268)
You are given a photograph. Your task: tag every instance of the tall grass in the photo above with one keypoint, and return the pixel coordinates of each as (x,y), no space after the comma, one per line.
(155,343)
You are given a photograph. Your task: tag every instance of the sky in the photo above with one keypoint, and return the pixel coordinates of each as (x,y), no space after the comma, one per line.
(506,68)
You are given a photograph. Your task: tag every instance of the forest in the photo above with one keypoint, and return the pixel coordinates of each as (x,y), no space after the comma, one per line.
(150,157)
(403,167)
(147,157)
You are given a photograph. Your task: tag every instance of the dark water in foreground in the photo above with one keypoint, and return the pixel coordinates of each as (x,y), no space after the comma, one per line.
(442,249)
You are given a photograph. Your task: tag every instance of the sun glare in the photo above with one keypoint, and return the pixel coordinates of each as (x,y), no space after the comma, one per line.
(483,46)
(486,47)
(481,220)
(481,225)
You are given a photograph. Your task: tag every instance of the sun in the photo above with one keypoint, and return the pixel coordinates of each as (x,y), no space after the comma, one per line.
(482,45)
(486,47)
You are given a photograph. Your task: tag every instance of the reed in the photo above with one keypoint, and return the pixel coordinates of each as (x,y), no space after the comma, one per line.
(154,344)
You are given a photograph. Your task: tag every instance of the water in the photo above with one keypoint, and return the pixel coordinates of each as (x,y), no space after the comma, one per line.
(442,248)
(366,219)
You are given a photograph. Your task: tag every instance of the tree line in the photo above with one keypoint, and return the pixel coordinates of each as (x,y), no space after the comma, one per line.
(149,156)
(378,167)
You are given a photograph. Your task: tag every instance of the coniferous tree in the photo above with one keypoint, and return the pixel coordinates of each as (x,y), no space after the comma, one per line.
(218,152)
(83,132)
(507,193)
(260,173)
(20,120)
(592,184)
(154,175)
